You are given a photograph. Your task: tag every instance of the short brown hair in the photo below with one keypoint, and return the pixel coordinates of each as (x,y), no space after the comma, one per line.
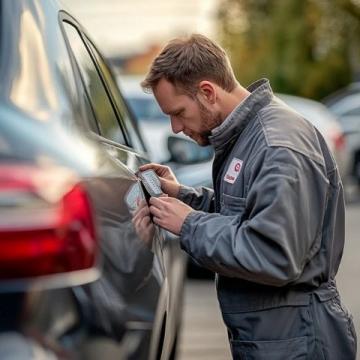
(186,61)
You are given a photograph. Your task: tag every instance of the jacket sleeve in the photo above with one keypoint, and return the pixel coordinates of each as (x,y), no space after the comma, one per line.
(201,198)
(269,236)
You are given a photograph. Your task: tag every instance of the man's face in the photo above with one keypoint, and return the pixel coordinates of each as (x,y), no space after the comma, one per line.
(189,115)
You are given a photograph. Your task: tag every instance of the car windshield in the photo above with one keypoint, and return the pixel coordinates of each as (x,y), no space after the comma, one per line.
(146,109)
(347,106)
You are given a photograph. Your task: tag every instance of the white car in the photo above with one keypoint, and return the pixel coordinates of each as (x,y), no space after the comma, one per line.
(328,125)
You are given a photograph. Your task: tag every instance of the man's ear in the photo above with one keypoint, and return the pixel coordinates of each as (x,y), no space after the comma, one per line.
(207,91)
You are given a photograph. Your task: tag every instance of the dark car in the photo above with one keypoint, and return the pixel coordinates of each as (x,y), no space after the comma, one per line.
(78,277)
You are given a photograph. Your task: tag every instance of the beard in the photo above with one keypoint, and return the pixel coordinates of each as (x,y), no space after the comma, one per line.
(209,121)
(201,139)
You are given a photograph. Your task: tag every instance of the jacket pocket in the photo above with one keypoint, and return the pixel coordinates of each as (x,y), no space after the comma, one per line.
(232,205)
(291,349)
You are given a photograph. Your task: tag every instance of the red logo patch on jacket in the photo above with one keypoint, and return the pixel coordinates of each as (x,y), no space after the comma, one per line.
(233,170)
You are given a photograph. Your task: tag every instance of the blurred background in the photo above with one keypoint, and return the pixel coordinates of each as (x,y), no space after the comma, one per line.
(308,49)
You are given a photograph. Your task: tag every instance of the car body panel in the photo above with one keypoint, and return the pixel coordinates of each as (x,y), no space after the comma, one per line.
(46,121)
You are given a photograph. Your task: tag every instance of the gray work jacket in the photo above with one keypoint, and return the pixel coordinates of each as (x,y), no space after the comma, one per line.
(273,227)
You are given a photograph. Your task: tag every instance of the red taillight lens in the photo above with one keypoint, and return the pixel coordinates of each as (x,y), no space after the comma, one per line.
(46,223)
(338,139)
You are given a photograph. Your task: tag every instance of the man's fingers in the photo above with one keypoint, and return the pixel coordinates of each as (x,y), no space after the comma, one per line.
(141,223)
(157,201)
(152,166)
(136,219)
(145,221)
(161,170)
(142,203)
(141,212)
(145,167)
(167,199)
(163,201)
(157,221)
(155,211)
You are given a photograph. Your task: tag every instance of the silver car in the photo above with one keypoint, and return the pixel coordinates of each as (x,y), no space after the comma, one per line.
(345,105)
(328,125)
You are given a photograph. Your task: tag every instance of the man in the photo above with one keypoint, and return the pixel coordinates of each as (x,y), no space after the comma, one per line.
(273,227)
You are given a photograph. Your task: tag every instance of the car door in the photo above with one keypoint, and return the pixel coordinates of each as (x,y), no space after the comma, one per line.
(167,325)
(164,334)
(129,302)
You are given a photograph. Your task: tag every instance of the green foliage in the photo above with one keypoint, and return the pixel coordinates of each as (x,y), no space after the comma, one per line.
(305,47)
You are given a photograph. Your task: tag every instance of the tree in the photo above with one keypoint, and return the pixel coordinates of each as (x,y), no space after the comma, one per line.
(304,47)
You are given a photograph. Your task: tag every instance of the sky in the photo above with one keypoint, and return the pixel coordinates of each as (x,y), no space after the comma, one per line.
(123,27)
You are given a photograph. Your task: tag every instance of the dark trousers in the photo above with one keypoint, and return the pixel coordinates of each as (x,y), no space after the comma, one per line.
(321,330)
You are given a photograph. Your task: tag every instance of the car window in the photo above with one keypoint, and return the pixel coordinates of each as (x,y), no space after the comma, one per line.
(353,112)
(98,97)
(147,109)
(124,114)
(353,88)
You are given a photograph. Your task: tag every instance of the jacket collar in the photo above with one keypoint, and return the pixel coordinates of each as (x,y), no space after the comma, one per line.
(260,96)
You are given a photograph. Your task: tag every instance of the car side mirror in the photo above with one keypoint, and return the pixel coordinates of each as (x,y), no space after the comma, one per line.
(184,151)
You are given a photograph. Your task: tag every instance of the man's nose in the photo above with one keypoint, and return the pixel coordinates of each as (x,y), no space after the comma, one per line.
(176,125)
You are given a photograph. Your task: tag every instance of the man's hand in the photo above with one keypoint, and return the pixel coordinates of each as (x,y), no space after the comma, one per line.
(143,225)
(169,213)
(169,183)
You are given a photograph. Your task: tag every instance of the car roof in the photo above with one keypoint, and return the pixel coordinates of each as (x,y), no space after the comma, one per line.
(345,104)
(338,95)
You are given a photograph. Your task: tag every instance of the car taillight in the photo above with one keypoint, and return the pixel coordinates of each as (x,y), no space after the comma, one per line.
(338,139)
(46,223)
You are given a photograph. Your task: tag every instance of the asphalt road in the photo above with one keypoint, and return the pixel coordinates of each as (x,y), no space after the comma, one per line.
(203,334)
(348,279)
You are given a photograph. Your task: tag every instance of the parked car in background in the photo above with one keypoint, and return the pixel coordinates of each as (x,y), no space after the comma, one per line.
(345,105)
(79,278)
(328,125)
(351,89)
